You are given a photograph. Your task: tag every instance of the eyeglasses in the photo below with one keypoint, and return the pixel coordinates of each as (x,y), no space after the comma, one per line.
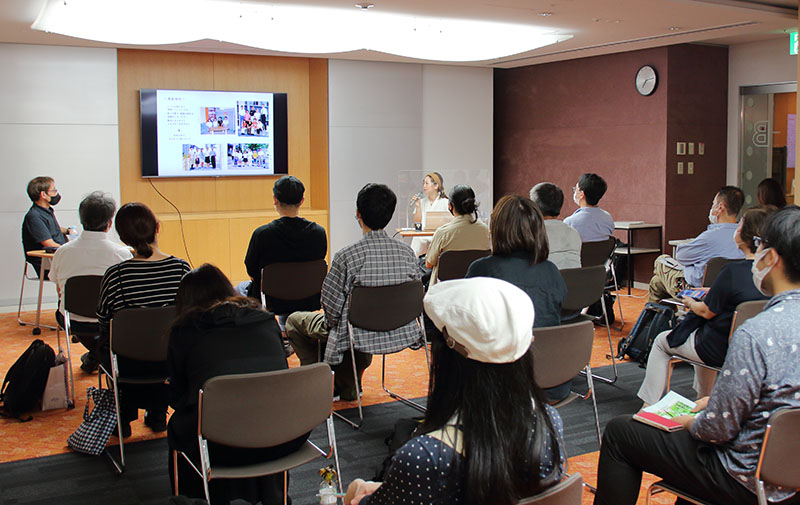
(758,241)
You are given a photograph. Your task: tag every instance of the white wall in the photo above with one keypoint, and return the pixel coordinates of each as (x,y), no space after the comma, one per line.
(59,118)
(393,122)
(752,64)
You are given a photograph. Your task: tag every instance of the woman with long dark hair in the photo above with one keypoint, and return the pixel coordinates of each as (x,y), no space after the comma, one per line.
(464,232)
(218,332)
(488,436)
(770,192)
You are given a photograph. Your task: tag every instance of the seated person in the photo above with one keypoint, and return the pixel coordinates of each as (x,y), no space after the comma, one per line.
(375,260)
(703,334)
(463,233)
(149,279)
(592,223)
(289,238)
(564,240)
(461,455)
(716,456)
(519,256)
(219,333)
(770,192)
(40,228)
(433,198)
(90,254)
(715,242)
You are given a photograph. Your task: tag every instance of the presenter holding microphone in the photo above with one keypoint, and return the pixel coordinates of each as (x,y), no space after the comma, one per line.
(433,197)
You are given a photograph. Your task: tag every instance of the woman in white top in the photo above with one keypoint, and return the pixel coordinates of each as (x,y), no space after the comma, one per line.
(433,198)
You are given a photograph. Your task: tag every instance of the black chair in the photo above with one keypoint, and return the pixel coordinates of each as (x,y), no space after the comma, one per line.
(713,268)
(454,264)
(292,282)
(381,309)
(602,253)
(585,286)
(140,334)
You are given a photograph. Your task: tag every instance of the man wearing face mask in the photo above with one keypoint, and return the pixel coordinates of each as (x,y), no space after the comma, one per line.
(40,228)
(716,456)
(716,242)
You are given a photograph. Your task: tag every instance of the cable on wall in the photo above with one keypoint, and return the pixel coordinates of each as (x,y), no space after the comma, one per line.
(180,219)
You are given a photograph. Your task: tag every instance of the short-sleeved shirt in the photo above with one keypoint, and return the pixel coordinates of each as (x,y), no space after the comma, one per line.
(733,285)
(542,282)
(593,223)
(565,244)
(40,224)
(460,234)
(716,242)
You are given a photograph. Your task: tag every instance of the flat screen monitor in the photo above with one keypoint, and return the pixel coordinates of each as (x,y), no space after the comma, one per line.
(187,133)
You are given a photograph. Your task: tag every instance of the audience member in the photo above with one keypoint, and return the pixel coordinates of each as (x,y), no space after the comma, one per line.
(564,240)
(219,333)
(716,456)
(375,260)
(39,227)
(90,254)
(433,197)
(770,192)
(593,223)
(519,256)
(464,232)
(703,334)
(687,269)
(149,279)
(488,436)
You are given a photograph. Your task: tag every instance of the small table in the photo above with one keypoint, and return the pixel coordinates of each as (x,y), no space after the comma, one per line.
(632,251)
(410,232)
(47,259)
(676,243)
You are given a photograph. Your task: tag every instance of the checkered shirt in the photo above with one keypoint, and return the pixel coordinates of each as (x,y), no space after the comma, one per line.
(375,260)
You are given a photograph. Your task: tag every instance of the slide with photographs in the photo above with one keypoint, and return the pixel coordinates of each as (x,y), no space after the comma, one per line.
(214,133)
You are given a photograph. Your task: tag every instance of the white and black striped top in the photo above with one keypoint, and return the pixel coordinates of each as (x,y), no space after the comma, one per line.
(136,283)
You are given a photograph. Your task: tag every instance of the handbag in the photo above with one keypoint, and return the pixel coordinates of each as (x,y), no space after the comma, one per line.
(92,435)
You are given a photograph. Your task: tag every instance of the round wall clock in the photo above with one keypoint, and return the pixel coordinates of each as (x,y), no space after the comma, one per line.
(646,80)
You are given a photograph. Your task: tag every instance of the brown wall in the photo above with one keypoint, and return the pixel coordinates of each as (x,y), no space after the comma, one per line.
(556,121)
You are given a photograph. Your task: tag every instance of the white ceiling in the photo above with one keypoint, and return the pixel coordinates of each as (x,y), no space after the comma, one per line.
(597,26)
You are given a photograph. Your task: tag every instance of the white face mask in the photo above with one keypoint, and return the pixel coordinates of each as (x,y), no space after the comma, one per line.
(576,199)
(711,217)
(758,275)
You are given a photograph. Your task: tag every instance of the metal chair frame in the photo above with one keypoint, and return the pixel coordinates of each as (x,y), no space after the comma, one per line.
(603,249)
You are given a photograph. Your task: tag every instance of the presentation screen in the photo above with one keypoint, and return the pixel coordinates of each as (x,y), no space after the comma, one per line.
(212,133)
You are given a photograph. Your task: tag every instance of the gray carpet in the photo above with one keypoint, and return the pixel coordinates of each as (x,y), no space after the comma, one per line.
(77,479)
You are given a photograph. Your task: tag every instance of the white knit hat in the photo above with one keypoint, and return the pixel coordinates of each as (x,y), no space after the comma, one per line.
(487,319)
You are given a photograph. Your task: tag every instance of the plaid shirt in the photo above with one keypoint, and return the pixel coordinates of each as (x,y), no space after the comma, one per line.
(375,260)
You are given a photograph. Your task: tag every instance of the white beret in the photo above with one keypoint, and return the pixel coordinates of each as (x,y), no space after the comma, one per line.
(487,319)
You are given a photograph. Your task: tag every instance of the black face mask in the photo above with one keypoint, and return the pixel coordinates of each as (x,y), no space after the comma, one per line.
(55,199)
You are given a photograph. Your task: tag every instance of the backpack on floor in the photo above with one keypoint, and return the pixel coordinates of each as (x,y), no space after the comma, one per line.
(654,319)
(25,381)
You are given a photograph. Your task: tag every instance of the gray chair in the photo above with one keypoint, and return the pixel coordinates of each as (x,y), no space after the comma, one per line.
(380,309)
(141,334)
(585,286)
(778,464)
(567,492)
(601,253)
(292,281)
(454,264)
(713,268)
(559,354)
(264,409)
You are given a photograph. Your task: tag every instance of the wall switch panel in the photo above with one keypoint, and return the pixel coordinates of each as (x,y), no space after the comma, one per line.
(690,168)
(691,148)
(701,148)
(680,168)
(681,148)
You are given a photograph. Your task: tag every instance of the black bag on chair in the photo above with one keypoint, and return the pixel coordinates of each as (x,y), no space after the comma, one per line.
(654,319)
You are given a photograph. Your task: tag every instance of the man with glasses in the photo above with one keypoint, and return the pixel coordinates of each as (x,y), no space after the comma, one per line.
(593,223)
(40,228)
(687,268)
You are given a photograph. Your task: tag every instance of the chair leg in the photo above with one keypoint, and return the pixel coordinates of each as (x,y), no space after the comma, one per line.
(176,489)
(616,288)
(205,466)
(335,448)
(285,487)
(119,467)
(71,400)
(394,395)
(610,347)
(590,385)
(358,386)
(21,292)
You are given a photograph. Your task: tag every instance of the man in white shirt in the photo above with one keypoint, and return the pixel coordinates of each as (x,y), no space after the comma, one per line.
(90,254)
(564,240)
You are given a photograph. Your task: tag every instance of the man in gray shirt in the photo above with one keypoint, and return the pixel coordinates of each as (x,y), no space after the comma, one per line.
(716,456)
(564,240)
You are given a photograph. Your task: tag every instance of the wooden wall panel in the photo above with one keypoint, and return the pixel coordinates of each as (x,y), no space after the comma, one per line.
(219,214)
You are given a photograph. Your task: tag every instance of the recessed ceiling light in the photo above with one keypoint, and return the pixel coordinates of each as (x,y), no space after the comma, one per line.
(674,28)
(365,5)
(545,14)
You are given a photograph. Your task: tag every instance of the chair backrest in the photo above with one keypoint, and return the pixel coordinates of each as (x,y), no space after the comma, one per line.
(386,308)
(584,286)
(265,409)
(142,333)
(454,264)
(567,492)
(293,281)
(745,311)
(560,352)
(597,253)
(779,463)
(713,267)
(81,294)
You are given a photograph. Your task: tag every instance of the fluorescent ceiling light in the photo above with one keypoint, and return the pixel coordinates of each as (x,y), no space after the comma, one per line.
(289,28)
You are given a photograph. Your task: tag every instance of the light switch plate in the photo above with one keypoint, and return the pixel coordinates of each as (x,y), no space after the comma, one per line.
(680,168)
(681,148)
(701,148)
(691,148)
(690,168)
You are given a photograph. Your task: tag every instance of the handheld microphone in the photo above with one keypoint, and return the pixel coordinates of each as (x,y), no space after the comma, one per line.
(414,198)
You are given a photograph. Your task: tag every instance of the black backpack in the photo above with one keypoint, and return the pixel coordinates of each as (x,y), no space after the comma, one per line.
(25,381)
(654,319)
